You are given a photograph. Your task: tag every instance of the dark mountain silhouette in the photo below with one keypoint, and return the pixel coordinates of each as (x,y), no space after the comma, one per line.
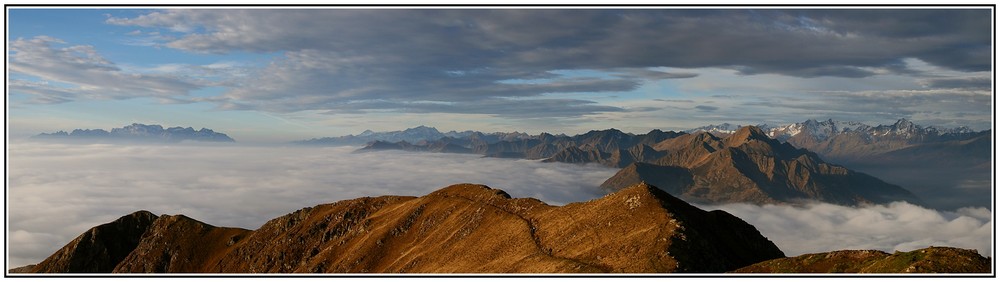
(409,135)
(748,166)
(101,248)
(948,175)
(138,133)
(461,228)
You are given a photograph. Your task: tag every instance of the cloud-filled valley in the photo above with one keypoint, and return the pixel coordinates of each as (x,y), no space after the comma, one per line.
(821,227)
(57,191)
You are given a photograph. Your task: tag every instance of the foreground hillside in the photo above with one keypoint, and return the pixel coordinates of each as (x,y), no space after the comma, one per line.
(928,260)
(460,228)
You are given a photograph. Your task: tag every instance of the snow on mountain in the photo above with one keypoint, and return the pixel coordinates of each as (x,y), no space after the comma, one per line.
(824,130)
(821,130)
(725,128)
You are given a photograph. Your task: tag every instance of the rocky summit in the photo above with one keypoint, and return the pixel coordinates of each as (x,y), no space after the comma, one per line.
(462,228)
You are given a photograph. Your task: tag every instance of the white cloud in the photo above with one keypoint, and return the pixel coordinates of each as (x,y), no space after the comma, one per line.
(57,191)
(821,227)
(83,73)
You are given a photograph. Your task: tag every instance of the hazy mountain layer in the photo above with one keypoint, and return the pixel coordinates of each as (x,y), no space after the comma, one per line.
(610,147)
(417,135)
(138,133)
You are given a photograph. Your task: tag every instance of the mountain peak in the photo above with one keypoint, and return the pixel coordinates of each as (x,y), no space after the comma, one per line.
(424,127)
(903,124)
(472,192)
(644,192)
(745,134)
(113,241)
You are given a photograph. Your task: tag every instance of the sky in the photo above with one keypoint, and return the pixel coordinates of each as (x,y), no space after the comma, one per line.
(276,75)
(239,185)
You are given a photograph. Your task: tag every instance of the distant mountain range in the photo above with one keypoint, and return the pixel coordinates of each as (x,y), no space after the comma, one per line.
(838,141)
(930,161)
(137,132)
(749,167)
(416,135)
(468,228)
(948,168)
(847,141)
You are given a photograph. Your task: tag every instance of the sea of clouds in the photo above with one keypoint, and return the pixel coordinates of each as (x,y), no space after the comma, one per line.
(57,191)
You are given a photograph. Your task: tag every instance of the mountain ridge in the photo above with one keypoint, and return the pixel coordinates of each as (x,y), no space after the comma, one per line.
(137,132)
(471,228)
(416,135)
(463,228)
(927,161)
(847,140)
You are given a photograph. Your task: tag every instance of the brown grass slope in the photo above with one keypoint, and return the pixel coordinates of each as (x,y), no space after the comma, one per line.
(473,228)
(927,260)
(462,228)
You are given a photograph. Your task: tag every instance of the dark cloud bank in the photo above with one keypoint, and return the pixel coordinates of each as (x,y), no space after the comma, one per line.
(501,62)
(57,191)
(533,65)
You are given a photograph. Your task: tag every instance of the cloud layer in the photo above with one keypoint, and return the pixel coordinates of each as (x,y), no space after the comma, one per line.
(57,191)
(899,226)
